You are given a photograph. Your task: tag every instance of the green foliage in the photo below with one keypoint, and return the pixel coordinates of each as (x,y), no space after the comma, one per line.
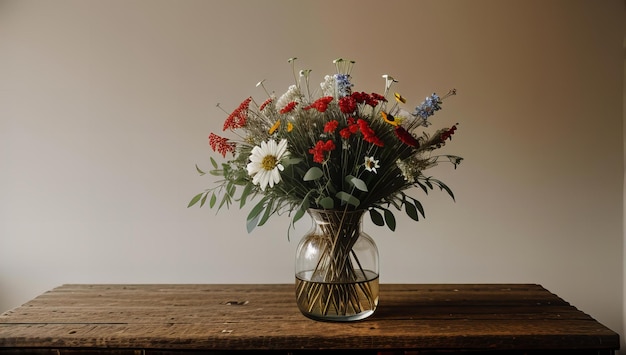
(364,163)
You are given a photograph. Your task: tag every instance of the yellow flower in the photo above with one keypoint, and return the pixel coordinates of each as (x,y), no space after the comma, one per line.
(289,126)
(387,117)
(274,127)
(399,98)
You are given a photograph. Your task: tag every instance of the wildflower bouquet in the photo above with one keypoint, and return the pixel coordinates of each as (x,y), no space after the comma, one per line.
(333,148)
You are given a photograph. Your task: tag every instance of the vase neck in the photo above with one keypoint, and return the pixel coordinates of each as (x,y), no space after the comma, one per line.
(347,220)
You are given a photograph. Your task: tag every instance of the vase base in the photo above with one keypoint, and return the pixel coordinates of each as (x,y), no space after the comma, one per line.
(337,302)
(336,318)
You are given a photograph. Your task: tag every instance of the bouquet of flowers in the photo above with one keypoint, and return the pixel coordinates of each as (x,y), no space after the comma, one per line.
(333,148)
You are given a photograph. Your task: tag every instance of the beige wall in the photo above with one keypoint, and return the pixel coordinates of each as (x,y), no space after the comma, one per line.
(105,107)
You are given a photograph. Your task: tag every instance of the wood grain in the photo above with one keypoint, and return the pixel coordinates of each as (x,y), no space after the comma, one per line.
(165,318)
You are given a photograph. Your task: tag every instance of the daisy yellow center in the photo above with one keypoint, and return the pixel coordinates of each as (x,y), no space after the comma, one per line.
(268,162)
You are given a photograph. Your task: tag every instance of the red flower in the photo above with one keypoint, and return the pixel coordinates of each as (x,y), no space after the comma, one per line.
(352,128)
(359,97)
(448,134)
(378,97)
(347,104)
(221,144)
(265,103)
(290,106)
(238,118)
(331,126)
(320,148)
(406,137)
(320,104)
(368,133)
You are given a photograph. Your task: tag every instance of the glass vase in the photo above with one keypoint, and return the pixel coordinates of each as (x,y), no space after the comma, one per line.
(336,268)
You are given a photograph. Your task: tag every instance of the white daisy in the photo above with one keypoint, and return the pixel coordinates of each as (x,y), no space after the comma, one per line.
(371,164)
(265,164)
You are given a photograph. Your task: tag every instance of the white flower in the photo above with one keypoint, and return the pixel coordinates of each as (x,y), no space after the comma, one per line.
(328,85)
(292,94)
(265,164)
(371,164)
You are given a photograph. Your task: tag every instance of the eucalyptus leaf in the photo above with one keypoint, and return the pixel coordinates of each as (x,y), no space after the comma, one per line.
(244,195)
(257,209)
(214,163)
(268,212)
(357,183)
(348,198)
(313,174)
(290,161)
(252,223)
(327,203)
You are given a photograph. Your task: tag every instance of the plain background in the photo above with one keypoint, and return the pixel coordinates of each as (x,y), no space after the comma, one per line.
(105,108)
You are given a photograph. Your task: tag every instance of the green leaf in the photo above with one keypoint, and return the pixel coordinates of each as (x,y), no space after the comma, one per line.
(445,187)
(301,210)
(313,174)
(225,201)
(411,211)
(390,220)
(212,200)
(257,209)
(348,198)
(327,203)
(290,161)
(200,171)
(268,212)
(422,187)
(376,217)
(255,214)
(214,163)
(419,207)
(244,195)
(357,183)
(252,223)
(203,200)
(195,199)
(230,189)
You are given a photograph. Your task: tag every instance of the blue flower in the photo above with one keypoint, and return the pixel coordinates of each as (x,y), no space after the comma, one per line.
(428,107)
(344,86)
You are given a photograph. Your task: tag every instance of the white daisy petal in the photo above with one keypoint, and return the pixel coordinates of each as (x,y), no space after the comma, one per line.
(264,166)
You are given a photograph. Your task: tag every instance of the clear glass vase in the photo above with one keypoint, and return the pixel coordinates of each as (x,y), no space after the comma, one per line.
(337,268)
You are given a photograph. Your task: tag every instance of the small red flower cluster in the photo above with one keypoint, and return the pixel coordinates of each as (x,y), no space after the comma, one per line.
(290,106)
(331,126)
(265,103)
(320,148)
(448,134)
(352,128)
(320,104)
(348,104)
(238,118)
(221,144)
(368,133)
(405,137)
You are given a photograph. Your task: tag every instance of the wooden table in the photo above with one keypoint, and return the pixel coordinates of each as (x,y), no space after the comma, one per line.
(411,319)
